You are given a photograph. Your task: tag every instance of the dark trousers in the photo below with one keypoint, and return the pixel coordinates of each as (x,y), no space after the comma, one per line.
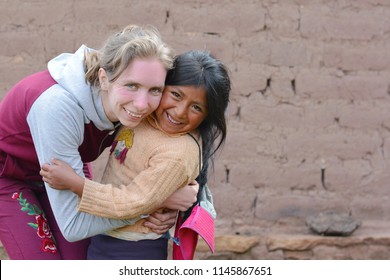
(105,247)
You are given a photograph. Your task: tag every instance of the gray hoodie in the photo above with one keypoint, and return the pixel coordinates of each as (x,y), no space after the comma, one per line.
(57,121)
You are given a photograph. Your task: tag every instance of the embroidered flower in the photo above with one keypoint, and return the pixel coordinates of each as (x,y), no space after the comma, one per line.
(41,225)
(43,229)
(48,245)
(15,196)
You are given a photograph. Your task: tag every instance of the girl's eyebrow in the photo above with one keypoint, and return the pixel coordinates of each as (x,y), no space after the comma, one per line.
(177,89)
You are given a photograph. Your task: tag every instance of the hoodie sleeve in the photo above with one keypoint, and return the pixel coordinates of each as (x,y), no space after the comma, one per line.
(56,123)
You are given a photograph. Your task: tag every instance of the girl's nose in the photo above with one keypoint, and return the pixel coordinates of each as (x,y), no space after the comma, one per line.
(181,111)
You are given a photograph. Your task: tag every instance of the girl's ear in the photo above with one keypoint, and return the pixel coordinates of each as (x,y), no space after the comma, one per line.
(103,79)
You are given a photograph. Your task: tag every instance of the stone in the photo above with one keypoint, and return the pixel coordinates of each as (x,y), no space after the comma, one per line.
(332,223)
(230,243)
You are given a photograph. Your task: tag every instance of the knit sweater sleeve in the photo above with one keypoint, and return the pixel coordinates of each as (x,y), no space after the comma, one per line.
(169,168)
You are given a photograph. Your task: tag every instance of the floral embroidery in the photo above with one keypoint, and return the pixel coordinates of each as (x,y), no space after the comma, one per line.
(48,245)
(122,144)
(41,225)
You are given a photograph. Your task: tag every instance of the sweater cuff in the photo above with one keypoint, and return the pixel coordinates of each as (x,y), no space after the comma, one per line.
(91,201)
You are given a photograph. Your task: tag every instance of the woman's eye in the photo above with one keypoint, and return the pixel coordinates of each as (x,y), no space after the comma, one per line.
(131,86)
(156,91)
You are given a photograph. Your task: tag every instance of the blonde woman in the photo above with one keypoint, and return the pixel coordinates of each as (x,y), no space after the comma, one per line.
(71,111)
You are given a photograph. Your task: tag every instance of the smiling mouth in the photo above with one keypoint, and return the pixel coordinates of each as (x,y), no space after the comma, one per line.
(133,114)
(172,120)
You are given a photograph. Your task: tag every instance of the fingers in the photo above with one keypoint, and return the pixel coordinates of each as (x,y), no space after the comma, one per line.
(47,170)
(45,175)
(45,167)
(56,161)
(157,229)
(186,205)
(161,222)
(167,214)
(162,218)
(195,185)
(46,180)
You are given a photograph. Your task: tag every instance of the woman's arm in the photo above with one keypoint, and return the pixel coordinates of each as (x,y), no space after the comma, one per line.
(58,131)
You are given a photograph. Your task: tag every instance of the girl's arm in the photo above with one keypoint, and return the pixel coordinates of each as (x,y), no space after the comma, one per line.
(59,175)
(168,171)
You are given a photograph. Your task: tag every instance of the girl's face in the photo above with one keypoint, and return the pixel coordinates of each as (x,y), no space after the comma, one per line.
(136,93)
(182,108)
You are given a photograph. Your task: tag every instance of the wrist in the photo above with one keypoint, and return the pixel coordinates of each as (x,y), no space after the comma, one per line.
(78,186)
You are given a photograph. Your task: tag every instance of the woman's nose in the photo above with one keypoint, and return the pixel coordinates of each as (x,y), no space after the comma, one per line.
(141,101)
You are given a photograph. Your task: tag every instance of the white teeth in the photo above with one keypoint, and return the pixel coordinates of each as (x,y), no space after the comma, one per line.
(133,115)
(172,120)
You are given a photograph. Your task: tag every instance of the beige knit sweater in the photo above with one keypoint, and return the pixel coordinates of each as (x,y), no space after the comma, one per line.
(156,165)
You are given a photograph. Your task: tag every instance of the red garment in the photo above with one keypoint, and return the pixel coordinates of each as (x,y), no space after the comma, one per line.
(18,158)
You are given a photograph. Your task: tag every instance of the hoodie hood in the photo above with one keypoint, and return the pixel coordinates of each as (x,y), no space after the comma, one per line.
(67,70)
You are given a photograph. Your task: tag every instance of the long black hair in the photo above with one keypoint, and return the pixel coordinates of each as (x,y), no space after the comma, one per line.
(200,68)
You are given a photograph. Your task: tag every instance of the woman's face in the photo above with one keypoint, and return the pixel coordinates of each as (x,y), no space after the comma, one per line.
(136,93)
(182,108)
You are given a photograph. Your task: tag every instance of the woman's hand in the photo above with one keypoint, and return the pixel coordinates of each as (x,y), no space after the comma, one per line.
(61,176)
(183,198)
(160,223)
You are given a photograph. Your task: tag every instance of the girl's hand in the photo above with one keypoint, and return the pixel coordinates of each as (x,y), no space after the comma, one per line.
(180,200)
(183,198)
(59,175)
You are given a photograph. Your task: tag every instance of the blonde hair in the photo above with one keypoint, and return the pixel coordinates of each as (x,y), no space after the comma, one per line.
(123,47)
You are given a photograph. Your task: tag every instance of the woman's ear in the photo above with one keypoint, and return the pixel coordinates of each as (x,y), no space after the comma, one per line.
(103,79)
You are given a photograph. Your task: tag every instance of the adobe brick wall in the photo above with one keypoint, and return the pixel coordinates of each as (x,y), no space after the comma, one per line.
(309,126)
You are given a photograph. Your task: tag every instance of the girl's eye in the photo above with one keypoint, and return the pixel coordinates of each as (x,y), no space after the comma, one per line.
(175,94)
(198,108)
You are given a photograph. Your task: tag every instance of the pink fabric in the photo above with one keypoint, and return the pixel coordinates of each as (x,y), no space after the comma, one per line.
(200,222)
